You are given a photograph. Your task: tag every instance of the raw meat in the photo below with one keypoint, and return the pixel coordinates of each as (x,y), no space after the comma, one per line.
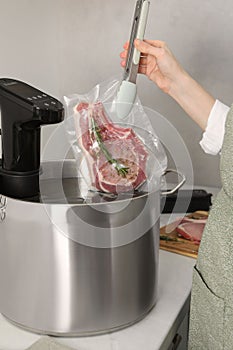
(181,220)
(191,230)
(187,219)
(116,157)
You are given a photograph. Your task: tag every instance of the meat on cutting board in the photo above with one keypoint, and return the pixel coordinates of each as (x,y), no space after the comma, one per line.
(186,239)
(190,227)
(116,157)
(191,230)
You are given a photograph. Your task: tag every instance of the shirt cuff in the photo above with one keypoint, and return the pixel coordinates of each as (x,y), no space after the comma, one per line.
(212,138)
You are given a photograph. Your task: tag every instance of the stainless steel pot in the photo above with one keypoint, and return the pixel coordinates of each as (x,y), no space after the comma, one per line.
(73,267)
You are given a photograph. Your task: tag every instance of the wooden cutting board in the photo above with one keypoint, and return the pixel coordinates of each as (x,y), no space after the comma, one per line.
(170,241)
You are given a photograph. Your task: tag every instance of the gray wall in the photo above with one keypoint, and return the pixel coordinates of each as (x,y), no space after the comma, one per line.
(66,46)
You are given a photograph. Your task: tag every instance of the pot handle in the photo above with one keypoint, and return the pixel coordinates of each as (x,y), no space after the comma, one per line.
(3,205)
(176,188)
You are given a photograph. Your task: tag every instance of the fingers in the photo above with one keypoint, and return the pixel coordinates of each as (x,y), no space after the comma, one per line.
(142,70)
(123,56)
(126,45)
(143,62)
(156,43)
(151,47)
(143,45)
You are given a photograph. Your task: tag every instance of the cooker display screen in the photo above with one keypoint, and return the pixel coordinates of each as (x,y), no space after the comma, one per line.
(22,90)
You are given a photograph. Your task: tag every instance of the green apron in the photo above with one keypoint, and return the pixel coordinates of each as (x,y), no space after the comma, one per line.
(211,316)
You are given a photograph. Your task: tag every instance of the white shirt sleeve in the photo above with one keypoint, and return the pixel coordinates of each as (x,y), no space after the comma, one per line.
(212,138)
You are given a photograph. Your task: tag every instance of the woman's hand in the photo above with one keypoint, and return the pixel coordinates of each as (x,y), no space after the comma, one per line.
(157,63)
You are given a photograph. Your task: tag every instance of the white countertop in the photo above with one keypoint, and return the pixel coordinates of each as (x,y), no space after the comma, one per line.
(156,330)
(175,275)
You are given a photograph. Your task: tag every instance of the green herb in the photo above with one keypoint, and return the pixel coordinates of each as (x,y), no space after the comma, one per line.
(120,168)
(168,239)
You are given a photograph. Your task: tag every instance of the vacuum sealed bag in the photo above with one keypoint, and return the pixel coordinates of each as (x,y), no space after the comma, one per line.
(113,155)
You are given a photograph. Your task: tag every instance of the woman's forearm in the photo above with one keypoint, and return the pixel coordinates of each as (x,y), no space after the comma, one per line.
(193,98)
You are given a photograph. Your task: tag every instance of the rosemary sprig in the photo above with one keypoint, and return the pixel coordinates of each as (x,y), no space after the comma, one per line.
(168,239)
(120,168)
